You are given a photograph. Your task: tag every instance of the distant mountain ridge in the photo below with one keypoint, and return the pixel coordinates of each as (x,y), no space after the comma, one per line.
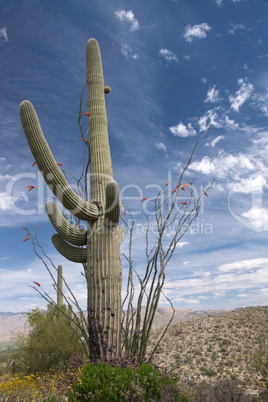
(12,323)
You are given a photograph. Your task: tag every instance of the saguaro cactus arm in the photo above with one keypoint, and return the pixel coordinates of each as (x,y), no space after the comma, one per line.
(112,208)
(72,253)
(66,230)
(48,167)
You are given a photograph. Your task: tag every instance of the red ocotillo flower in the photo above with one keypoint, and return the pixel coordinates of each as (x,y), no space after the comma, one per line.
(34,163)
(36,283)
(85,141)
(184,203)
(144,199)
(60,164)
(167,183)
(30,188)
(27,238)
(36,226)
(87,100)
(205,193)
(28,234)
(86,114)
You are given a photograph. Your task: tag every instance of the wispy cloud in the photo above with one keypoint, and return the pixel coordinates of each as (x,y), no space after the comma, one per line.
(161,146)
(213,95)
(224,165)
(210,118)
(3,34)
(242,94)
(196,31)
(5,177)
(215,141)
(128,16)
(237,27)
(168,55)
(128,52)
(258,217)
(219,2)
(260,102)
(182,131)
(7,201)
(232,278)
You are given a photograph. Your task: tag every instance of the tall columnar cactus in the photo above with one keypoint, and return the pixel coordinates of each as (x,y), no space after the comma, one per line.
(103,236)
(59,287)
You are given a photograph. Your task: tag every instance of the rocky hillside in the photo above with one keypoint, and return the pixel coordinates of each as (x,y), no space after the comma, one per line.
(213,347)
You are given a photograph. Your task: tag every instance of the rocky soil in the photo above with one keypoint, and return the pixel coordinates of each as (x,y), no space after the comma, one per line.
(213,347)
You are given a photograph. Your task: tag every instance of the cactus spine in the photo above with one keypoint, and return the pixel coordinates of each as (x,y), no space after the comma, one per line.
(103,237)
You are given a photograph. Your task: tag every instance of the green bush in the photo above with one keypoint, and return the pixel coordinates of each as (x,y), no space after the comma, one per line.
(50,342)
(101,382)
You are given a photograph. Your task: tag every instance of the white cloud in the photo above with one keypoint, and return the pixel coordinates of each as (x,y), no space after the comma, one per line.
(225,165)
(7,201)
(215,141)
(219,2)
(182,244)
(244,265)
(239,277)
(161,146)
(204,80)
(236,27)
(241,95)
(128,16)
(182,131)
(258,217)
(196,31)
(209,120)
(5,177)
(231,124)
(3,34)
(168,55)
(212,95)
(260,102)
(128,52)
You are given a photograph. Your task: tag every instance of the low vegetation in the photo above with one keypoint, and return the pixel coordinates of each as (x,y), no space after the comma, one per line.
(220,358)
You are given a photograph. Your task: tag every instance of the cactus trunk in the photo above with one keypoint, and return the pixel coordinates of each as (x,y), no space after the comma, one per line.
(101,257)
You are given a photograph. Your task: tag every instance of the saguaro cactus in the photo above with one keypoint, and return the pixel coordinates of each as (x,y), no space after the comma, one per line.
(59,287)
(101,257)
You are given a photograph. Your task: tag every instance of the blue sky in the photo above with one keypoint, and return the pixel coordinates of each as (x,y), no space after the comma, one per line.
(175,67)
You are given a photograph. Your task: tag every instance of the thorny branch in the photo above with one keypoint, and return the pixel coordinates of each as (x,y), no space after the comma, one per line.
(136,327)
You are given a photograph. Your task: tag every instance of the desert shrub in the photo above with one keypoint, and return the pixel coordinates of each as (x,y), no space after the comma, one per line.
(49,344)
(102,381)
(224,390)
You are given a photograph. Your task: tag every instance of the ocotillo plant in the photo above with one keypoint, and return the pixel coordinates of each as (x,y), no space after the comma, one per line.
(101,257)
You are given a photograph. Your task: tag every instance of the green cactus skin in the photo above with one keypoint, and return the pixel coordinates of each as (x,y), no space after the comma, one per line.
(121,233)
(59,287)
(72,253)
(101,257)
(112,209)
(49,168)
(66,230)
